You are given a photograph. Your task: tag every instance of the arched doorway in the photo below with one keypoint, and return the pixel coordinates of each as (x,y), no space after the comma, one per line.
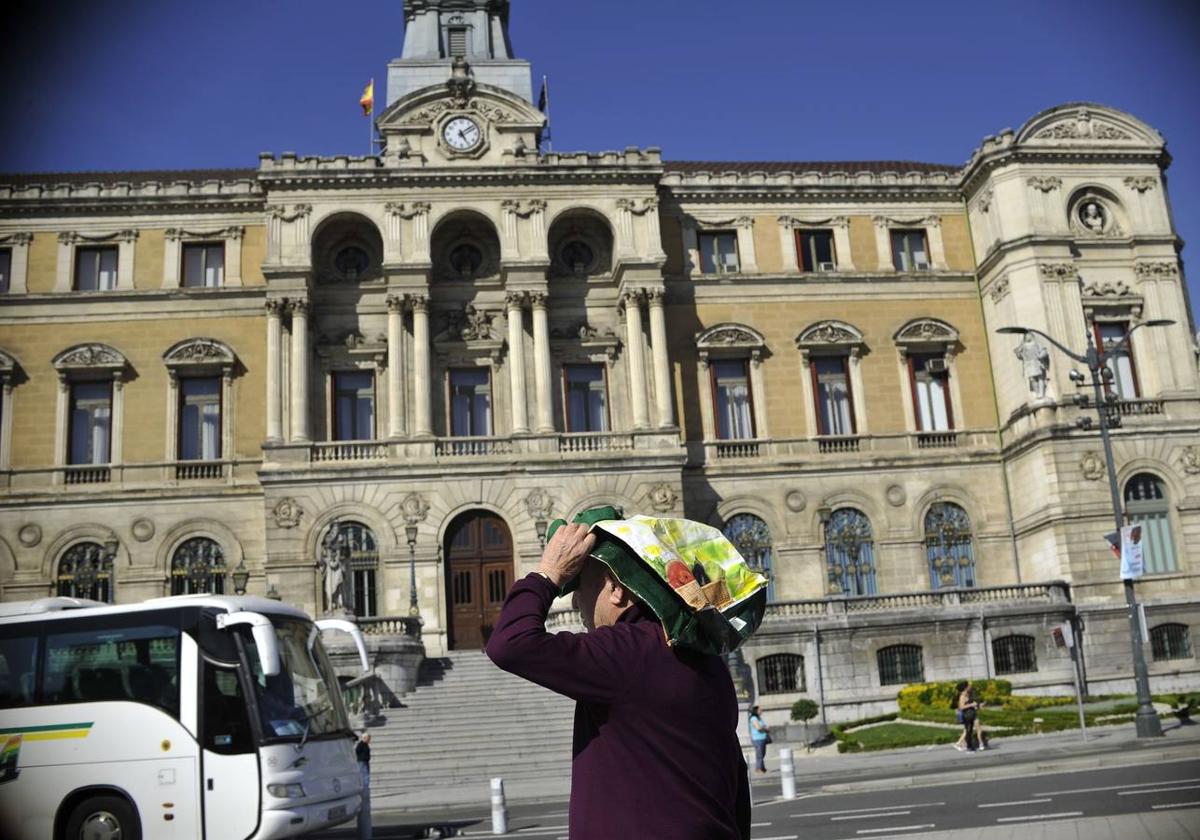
(479,571)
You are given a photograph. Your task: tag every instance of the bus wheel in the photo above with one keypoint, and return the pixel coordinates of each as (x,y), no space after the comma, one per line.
(103,818)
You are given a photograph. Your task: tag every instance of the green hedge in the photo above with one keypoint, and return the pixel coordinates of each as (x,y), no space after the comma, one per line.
(944,695)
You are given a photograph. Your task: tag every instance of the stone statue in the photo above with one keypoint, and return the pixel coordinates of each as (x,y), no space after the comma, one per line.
(1092,217)
(1035,362)
(335,558)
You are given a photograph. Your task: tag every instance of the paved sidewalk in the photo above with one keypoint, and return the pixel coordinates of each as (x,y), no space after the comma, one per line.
(1160,825)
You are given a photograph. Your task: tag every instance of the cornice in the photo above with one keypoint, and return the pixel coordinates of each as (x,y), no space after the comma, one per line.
(987,160)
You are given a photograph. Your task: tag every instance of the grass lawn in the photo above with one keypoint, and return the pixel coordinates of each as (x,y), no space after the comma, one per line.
(890,736)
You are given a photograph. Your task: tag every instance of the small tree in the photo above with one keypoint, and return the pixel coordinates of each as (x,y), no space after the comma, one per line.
(805,710)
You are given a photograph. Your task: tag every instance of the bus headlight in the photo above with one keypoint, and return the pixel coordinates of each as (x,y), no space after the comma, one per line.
(286,791)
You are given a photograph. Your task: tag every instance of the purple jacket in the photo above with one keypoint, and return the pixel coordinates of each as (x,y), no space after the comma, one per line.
(656,752)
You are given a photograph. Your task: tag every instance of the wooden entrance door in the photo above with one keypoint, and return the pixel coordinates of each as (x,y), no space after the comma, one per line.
(479,569)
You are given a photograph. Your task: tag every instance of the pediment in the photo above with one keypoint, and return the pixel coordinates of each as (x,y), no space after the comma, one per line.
(1085,123)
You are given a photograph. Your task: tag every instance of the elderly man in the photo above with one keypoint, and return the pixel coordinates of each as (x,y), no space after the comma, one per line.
(656,752)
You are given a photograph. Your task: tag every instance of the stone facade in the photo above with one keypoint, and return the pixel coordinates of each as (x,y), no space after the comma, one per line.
(463,247)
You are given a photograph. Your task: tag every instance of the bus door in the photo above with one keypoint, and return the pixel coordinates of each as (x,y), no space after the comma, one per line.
(230,783)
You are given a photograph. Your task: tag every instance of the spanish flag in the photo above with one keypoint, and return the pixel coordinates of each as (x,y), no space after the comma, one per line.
(368,99)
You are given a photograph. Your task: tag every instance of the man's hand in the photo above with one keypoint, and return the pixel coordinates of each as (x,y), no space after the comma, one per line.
(565,553)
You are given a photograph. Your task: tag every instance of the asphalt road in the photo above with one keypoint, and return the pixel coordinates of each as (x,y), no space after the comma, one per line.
(1039,800)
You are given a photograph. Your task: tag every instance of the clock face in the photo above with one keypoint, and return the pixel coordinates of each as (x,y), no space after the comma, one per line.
(462,134)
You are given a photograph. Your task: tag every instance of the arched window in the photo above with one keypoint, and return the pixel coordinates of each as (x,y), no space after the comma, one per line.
(900,665)
(948,546)
(850,553)
(1014,655)
(751,537)
(781,673)
(198,565)
(86,571)
(1146,503)
(363,561)
(1170,641)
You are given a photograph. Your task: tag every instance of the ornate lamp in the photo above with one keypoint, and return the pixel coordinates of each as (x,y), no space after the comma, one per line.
(540,526)
(241,576)
(410,533)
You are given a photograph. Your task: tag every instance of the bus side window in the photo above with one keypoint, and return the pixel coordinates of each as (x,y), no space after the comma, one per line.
(137,664)
(226,727)
(18,671)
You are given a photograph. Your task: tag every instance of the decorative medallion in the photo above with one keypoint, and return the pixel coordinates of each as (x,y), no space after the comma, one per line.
(1092,466)
(142,529)
(896,495)
(539,504)
(414,508)
(30,535)
(999,288)
(1190,460)
(662,497)
(287,512)
(795,501)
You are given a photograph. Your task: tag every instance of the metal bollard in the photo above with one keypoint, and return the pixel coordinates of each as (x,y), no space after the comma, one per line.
(787,773)
(499,808)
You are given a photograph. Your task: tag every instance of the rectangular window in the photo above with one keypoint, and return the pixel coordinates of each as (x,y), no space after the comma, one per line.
(138,664)
(909,250)
(95,269)
(457,36)
(718,252)
(587,398)
(354,405)
(18,671)
(200,419)
(91,423)
(931,392)
(470,402)
(734,404)
(5,269)
(816,250)
(1124,382)
(204,265)
(834,398)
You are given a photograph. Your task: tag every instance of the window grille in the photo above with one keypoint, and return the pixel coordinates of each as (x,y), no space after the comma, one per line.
(948,546)
(752,538)
(357,544)
(1170,641)
(198,565)
(781,673)
(1014,655)
(1147,504)
(900,665)
(86,571)
(850,553)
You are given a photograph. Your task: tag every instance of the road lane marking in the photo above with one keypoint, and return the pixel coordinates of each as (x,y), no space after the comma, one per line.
(759,825)
(1012,804)
(780,837)
(895,828)
(1112,787)
(869,810)
(1032,817)
(1158,790)
(1176,805)
(872,816)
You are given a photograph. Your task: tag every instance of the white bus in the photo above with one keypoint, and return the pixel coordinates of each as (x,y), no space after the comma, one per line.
(195,716)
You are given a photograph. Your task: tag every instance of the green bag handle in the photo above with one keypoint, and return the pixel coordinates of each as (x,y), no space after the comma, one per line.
(588,517)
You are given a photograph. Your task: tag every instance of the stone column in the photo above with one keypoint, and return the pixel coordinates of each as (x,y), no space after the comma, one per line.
(516,360)
(274,372)
(422,375)
(541,361)
(300,431)
(395,307)
(637,361)
(116,452)
(662,362)
(625,239)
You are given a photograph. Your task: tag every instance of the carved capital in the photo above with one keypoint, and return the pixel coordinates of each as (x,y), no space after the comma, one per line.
(538,300)
(1044,183)
(1059,271)
(514,300)
(275,306)
(417,208)
(127,236)
(299,306)
(418,303)
(656,297)
(68,237)
(1156,270)
(235,232)
(395,303)
(1141,183)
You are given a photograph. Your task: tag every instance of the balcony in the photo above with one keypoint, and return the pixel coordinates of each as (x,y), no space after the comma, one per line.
(115,478)
(199,470)
(1140,408)
(357,450)
(471,447)
(87,475)
(860,446)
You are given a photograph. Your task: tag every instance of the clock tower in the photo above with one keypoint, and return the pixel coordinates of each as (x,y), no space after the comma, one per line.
(436,32)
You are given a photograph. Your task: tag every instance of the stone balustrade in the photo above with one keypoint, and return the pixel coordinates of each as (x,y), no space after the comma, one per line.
(402,625)
(841,445)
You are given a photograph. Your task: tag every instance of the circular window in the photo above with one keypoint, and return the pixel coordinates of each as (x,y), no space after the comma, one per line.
(577,256)
(351,262)
(466,260)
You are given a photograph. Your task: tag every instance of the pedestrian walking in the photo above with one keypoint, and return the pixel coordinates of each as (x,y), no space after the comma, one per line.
(656,752)
(362,752)
(980,735)
(760,736)
(967,707)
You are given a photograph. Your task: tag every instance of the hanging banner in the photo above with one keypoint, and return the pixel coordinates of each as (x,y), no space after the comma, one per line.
(1132,564)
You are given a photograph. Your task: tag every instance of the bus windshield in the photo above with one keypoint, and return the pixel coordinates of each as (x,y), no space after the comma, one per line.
(303,700)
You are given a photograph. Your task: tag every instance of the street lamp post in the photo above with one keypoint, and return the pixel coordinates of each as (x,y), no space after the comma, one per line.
(1096,359)
(410,533)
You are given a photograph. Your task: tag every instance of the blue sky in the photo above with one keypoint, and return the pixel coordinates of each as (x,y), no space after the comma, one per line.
(142,84)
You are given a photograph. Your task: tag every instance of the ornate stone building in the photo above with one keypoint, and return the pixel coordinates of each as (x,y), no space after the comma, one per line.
(416,359)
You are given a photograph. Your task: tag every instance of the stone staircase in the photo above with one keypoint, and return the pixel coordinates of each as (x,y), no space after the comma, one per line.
(466,722)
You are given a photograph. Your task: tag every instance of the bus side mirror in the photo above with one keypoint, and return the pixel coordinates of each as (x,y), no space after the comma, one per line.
(355,633)
(263,631)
